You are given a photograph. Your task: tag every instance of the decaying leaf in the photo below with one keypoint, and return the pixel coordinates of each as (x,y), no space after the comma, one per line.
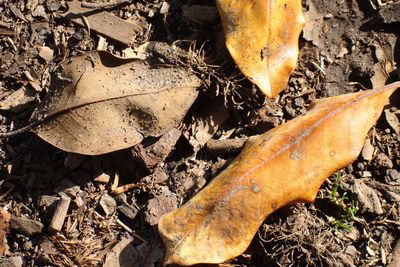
(262,37)
(101,103)
(285,165)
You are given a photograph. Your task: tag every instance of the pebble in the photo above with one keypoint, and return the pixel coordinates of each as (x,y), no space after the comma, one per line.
(26,226)
(108,204)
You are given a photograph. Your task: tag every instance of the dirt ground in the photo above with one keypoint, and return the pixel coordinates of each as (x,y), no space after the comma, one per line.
(346,46)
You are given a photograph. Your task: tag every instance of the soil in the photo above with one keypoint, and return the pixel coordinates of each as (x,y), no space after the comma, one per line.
(346,46)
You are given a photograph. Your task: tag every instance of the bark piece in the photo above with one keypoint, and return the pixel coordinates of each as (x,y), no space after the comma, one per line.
(150,154)
(26,226)
(367,198)
(60,213)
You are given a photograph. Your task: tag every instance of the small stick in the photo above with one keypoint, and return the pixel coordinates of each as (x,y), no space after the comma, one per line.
(226,146)
(104,5)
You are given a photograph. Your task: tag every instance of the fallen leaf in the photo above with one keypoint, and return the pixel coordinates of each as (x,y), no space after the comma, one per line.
(262,38)
(101,103)
(285,165)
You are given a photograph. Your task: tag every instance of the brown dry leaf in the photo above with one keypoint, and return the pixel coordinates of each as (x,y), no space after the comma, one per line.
(285,165)
(102,103)
(262,37)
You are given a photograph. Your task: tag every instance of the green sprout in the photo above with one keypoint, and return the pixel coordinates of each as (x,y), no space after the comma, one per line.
(349,210)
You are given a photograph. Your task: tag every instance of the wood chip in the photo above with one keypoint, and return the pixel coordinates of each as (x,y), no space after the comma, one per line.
(108,204)
(367,198)
(368,150)
(60,213)
(26,226)
(103,23)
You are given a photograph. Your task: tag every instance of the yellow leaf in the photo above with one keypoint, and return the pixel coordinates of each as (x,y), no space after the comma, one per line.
(262,37)
(285,165)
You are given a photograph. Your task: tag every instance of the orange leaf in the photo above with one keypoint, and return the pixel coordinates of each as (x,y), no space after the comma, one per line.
(285,165)
(262,37)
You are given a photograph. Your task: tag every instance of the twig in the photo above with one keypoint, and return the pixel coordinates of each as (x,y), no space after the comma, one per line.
(104,5)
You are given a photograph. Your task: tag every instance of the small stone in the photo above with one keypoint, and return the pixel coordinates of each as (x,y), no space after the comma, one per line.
(383,161)
(11,262)
(368,150)
(26,226)
(129,211)
(108,204)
